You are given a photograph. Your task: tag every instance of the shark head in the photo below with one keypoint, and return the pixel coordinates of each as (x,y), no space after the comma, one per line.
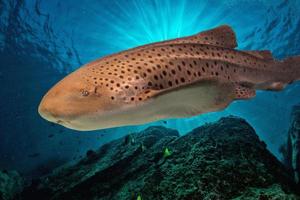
(77,103)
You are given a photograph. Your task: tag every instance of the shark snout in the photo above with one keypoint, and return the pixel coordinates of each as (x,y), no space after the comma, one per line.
(60,113)
(50,112)
(55,108)
(54,114)
(63,105)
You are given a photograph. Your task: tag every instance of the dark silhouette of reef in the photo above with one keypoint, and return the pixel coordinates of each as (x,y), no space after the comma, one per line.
(291,150)
(11,183)
(222,160)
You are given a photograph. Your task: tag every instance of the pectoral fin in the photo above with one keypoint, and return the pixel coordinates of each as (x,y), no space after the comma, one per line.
(189,100)
(243,92)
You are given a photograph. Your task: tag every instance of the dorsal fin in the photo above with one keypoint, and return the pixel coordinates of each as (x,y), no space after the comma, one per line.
(221,36)
(264,54)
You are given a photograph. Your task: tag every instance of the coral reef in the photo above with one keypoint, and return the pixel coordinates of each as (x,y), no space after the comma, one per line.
(11,183)
(291,150)
(222,160)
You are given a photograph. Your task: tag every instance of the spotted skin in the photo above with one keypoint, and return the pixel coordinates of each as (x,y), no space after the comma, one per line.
(141,82)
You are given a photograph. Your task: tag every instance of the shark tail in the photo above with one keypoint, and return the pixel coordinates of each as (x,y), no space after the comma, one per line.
(292,66)
(288,71)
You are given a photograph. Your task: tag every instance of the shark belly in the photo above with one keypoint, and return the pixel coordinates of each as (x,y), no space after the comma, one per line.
(202,97)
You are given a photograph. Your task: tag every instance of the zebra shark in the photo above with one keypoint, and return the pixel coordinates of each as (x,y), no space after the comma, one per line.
(171,79)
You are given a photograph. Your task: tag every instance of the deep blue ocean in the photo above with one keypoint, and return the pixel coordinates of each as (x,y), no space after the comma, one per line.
(41,41)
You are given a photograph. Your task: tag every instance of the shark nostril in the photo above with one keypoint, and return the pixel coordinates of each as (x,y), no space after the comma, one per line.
(59,121)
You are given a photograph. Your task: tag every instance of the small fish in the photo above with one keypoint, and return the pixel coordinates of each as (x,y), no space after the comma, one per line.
(51,136)
(139,197)
(171,79)
(167,153)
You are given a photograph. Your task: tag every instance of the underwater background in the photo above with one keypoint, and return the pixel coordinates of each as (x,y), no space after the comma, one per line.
(42,41)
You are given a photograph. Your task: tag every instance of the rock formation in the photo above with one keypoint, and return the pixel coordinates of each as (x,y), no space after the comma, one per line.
(11,183)
(222,160)
(291,150)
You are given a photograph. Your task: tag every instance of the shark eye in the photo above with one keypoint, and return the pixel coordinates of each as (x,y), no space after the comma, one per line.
(84,93)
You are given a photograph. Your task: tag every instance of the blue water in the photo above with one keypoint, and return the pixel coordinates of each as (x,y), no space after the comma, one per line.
(41,41)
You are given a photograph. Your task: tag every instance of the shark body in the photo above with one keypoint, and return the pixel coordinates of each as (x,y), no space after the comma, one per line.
(170,79)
